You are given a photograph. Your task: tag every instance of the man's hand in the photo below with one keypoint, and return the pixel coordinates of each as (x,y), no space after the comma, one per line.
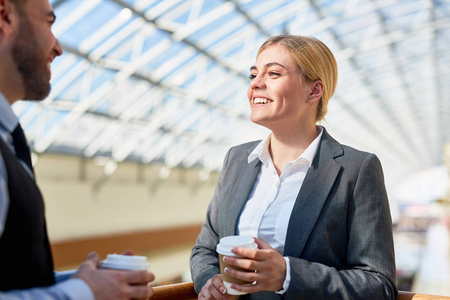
(114,284)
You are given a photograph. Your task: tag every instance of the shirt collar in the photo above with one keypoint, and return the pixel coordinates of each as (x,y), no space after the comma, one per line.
(8,119)
(262,150)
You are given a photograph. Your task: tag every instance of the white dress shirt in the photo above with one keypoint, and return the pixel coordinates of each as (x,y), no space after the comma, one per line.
(267,212)
(65,288)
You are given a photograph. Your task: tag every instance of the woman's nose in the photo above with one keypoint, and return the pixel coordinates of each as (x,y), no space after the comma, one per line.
(257,82)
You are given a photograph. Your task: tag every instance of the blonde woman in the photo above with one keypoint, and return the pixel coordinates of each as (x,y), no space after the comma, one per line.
(318,210)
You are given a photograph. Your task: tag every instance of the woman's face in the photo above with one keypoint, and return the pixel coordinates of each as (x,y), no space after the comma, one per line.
(278,93)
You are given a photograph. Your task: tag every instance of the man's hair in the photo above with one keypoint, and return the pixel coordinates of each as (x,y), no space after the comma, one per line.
(18,4)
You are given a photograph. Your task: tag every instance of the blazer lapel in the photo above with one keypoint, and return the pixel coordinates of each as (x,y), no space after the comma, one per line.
(312,196)
(238,192)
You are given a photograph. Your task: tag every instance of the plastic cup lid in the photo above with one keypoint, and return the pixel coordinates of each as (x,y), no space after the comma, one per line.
(227,243)
(125,262)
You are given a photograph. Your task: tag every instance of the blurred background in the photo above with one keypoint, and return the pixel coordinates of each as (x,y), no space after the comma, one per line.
(150,94)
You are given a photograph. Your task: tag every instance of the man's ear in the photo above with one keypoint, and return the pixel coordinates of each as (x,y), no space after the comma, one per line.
(8,17)
(316,91)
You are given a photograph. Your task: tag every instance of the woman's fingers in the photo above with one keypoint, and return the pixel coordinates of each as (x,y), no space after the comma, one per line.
(214,289)
(261,244)
(243,275)
(218,284)
(267,267)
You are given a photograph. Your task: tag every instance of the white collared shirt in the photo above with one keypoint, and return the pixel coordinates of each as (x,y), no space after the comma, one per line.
(267,212)
(8,122)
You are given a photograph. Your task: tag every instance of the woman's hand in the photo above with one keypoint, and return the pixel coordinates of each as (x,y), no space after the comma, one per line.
(268,263)
(215,289)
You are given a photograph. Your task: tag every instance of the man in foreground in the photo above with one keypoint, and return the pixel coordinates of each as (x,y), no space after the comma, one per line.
(27,48)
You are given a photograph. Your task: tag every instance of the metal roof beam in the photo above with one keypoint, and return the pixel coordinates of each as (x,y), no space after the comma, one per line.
(380,100)
(185,41)
(412,110)
(252,21)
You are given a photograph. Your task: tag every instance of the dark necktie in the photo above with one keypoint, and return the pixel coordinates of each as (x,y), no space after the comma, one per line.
(20,144)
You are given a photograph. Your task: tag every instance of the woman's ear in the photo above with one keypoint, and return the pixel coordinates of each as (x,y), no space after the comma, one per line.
(316,91)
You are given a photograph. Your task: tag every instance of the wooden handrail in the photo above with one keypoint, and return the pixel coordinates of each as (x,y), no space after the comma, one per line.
(414,296)
(178,291)
(74,252)
(185,291)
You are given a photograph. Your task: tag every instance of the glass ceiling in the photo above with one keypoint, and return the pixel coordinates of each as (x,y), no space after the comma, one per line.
(165,81)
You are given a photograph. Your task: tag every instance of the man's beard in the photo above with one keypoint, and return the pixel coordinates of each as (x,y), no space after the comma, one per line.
(31,66)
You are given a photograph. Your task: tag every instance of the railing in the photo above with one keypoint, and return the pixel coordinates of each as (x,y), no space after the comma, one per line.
(178,291)
(413,296)
(185,291)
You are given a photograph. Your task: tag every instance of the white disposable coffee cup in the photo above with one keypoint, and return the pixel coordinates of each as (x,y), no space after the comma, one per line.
(125,262)
(224,249)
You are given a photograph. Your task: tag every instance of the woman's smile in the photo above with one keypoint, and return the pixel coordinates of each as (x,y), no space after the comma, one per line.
(261,100)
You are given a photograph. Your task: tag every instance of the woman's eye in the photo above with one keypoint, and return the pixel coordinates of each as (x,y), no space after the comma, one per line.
(251,76)
(274,73)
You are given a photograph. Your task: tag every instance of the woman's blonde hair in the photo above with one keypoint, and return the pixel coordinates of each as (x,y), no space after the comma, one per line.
(315,62)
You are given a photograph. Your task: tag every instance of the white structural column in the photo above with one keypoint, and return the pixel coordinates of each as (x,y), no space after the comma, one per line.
(434,270)
(446,160)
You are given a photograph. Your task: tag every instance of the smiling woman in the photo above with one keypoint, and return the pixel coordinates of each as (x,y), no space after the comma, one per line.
(307,60)
(290,99)
(318,210)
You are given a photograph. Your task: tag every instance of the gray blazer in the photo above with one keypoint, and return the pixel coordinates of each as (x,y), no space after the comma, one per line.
(339,238)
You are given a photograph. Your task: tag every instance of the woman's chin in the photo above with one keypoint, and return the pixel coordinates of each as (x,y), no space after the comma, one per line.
(257,120)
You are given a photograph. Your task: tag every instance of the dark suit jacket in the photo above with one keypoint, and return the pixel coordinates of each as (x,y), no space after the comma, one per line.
(339,238)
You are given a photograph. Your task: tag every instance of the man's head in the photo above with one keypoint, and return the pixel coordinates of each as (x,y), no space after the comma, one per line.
(34,47)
